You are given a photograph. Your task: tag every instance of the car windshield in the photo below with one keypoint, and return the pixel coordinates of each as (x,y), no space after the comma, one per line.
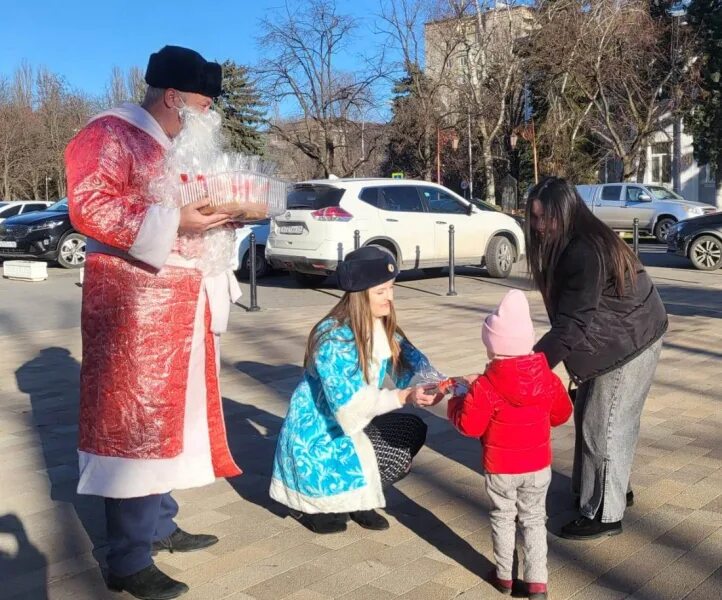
(483,205)
(662,193)
(59,206)
(3,204)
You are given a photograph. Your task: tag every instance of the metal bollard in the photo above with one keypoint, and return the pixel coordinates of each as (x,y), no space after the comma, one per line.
(635,236)
(252,274)
(356,239)
(452,275)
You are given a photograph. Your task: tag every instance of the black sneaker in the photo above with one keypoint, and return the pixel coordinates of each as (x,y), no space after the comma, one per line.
(180,541)
(321,522)
(149,584)
(369,519)
(589,529)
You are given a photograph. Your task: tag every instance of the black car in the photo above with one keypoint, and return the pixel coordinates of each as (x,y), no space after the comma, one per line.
(700,240)
(46,235)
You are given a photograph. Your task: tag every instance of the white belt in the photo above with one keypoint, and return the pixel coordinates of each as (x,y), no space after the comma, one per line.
(221,290)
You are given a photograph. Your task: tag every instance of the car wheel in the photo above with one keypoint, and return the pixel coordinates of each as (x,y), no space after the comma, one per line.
(262,267)
(661,229)
(706,253)
(71,251)
(500,255)
(307,280)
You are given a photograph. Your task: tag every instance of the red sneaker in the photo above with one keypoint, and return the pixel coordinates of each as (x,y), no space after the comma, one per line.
(537,591)
(501,585)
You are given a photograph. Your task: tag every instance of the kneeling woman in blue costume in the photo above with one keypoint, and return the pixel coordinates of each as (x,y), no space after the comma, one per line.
(339,446)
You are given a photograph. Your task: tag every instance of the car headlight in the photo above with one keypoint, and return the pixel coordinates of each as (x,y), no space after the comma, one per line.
(44,226)
(695,211)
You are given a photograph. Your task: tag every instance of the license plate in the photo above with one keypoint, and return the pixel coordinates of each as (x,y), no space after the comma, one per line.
(8,244)
(291,229)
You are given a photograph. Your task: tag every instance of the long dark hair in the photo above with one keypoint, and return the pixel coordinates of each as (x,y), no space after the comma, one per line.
(565,217)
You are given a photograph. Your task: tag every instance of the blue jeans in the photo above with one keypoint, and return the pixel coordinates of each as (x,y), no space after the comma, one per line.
(133,524)
(607,411)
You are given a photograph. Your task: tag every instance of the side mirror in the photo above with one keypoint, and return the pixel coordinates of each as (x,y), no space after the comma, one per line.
(644,197)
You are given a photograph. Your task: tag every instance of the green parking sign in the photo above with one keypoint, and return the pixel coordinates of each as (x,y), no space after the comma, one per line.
(397,175)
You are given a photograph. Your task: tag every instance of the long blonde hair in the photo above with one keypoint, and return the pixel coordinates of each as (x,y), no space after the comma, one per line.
(354,310)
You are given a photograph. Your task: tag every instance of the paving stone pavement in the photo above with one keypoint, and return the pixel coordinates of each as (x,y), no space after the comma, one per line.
(439,544)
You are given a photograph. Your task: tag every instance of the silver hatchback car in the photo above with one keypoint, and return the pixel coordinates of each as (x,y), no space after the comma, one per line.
(656,207)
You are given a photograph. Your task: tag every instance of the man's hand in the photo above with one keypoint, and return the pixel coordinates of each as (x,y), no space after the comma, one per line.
(192,220)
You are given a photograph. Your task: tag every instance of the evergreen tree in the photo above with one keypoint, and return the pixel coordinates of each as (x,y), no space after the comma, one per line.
(412,140)
(241,108)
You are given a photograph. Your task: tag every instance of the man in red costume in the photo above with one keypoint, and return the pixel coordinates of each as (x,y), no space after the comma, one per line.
(151,418)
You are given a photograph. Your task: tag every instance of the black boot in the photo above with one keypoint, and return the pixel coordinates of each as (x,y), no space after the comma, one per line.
(149,584)
(589,529)
(369,519)
(321,522)
(180,541)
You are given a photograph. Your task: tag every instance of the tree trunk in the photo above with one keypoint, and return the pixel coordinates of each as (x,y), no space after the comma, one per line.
(488,170)
(629,167)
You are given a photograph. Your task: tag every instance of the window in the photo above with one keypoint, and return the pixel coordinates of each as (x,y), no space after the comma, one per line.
(313,197)
(612,193)
(34,206)
(11,212)
(400,198)
(708,174)
(662,162)
(370,196)
(439,201)
(633,193)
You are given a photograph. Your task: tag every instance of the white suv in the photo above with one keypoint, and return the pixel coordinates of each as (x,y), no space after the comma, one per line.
(409,218)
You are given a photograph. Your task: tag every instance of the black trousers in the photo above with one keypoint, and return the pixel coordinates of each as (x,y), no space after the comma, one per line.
(396,437)
(133,524)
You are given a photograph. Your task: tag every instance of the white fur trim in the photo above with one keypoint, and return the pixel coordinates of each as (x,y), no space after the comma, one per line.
(366,498)
(156,236)
(138,117)
(367,403)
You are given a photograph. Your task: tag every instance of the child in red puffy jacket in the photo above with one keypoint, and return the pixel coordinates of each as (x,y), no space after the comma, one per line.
(512,407)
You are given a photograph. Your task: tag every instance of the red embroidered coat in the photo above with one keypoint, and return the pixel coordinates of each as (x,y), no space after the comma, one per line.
(137,319)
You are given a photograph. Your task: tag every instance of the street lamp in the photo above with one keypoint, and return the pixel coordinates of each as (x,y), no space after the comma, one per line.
(47,179)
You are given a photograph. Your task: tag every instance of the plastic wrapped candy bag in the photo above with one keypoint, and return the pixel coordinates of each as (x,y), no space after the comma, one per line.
(435,382)
(197,167)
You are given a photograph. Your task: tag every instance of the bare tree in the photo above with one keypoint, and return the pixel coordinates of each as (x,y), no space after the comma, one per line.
(615,77)
(419,108)
(124,86)
(303,43)
(485,70)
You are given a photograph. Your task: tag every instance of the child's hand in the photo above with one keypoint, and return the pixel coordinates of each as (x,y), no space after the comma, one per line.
(470,379)
(426,396)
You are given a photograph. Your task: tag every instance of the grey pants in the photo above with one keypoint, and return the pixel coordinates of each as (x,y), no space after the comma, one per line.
(607,411)
(523,495)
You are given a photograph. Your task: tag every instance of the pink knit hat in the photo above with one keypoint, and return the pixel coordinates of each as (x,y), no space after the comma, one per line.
(508,331)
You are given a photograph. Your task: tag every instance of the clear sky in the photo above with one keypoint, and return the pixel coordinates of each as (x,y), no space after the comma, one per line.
(83,39)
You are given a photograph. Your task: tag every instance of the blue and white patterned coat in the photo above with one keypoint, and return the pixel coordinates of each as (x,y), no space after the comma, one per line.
(324,461)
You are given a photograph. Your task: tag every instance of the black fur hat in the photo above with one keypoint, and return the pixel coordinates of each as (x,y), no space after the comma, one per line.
(184,70)
(365,268)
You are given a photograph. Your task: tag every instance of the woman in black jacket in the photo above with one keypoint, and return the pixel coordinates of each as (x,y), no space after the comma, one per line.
(607,323)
